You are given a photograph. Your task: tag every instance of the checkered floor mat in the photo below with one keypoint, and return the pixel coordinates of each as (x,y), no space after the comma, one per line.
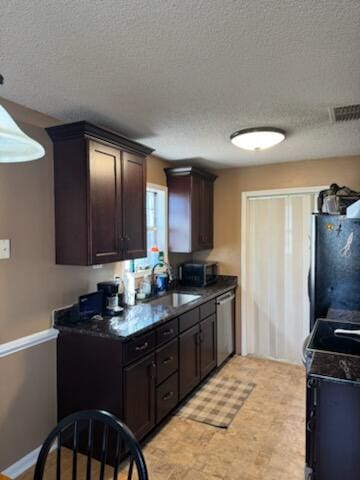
(217,401)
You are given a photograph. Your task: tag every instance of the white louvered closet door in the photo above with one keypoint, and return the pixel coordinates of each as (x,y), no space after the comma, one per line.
(277,265)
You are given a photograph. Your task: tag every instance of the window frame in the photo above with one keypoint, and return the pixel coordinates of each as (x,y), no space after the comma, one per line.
(154,187)
(162,188)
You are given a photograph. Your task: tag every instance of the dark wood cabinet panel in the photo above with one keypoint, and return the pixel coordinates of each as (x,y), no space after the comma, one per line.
(134,206)
(191,209)
(206,210)
(167,331)
(195,213)
(207,309)
(167,397)
(189,319)
(84,381)
(71,203)
(189,360)
(208,345)
(179,208)
(105,194)
(139,396)
(138,347)
(167,360)
(100,190)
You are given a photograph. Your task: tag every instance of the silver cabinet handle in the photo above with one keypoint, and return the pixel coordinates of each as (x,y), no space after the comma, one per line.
(142,347)
(167,360)
(168,395)
(168,332)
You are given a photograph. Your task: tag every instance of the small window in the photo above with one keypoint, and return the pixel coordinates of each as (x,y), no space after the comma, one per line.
(156,227)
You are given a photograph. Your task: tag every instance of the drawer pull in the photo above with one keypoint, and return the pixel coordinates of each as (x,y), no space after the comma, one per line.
(167,360)
(167,396)
(168,332)
(142,347)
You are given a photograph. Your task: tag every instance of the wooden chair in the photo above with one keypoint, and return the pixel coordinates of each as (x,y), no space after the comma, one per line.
(94,434)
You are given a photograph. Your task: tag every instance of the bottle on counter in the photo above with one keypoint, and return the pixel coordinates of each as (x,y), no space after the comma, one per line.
(129,289)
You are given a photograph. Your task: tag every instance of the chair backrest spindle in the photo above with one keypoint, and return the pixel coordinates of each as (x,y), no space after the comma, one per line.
(75,451)
(117,456)
(90,447)
(131,468)
(58,457)
(103,451)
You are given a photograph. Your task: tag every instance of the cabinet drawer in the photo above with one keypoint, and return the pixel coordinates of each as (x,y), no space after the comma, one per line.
(167,397)
(189,319)
(207,309)
(167,360)
(138,347)
(166,332)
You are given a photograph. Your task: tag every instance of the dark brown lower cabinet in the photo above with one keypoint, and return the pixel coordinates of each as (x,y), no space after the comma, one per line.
(189,360)
(140,380)
(332,429)
(207,345)
(167,397)
(197,354)
(139,396)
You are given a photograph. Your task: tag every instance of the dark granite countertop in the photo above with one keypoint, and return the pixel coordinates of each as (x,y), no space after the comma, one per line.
(341,367)
(334,366)
(143,316)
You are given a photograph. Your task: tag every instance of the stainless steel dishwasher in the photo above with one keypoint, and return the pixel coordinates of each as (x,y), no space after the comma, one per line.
(225,309)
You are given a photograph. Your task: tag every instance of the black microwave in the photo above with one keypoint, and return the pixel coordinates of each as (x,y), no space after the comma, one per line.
(197,274)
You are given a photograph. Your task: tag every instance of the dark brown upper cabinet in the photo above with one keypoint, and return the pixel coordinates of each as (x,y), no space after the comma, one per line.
(191,209)
(134,201)
(100,194)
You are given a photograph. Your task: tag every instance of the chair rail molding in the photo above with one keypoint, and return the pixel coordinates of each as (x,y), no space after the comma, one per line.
(29,341)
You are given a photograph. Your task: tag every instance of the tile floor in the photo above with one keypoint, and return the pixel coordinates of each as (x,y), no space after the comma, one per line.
(264,442)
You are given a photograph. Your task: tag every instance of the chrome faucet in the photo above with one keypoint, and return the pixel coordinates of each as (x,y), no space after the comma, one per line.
(168,271)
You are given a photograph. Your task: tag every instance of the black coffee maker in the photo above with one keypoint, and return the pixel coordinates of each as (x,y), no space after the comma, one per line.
(111,297)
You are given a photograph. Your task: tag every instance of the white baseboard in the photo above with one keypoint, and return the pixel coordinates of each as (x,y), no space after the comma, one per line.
(24,463)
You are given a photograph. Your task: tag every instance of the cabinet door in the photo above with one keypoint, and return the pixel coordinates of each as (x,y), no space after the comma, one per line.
(335,428)
(208,345)
(196,221)
(134,206)
(139,396)
(105,203)
(206,214)
(189,360)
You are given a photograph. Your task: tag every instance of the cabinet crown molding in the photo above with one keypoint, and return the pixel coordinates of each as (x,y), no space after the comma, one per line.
(184,171)
(89,130)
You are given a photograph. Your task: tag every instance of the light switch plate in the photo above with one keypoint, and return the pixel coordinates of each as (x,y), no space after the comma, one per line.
(4,249)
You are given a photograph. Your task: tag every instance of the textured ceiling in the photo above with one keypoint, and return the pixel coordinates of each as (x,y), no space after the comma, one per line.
(182,75)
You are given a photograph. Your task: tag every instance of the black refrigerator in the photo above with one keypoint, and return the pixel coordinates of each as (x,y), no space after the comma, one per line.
(334,285)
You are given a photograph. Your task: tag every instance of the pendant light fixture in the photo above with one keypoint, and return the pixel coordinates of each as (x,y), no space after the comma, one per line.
(259,138)
(15,145)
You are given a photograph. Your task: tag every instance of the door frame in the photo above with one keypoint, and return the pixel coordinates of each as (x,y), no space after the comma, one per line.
(245,197)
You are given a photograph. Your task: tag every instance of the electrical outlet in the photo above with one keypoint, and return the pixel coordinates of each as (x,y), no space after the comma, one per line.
(4,249)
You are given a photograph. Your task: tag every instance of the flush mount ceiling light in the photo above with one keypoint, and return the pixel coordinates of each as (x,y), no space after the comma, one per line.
(15,145)
(259,138)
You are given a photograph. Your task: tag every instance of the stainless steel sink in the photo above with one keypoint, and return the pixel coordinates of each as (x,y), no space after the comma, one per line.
(174,299)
